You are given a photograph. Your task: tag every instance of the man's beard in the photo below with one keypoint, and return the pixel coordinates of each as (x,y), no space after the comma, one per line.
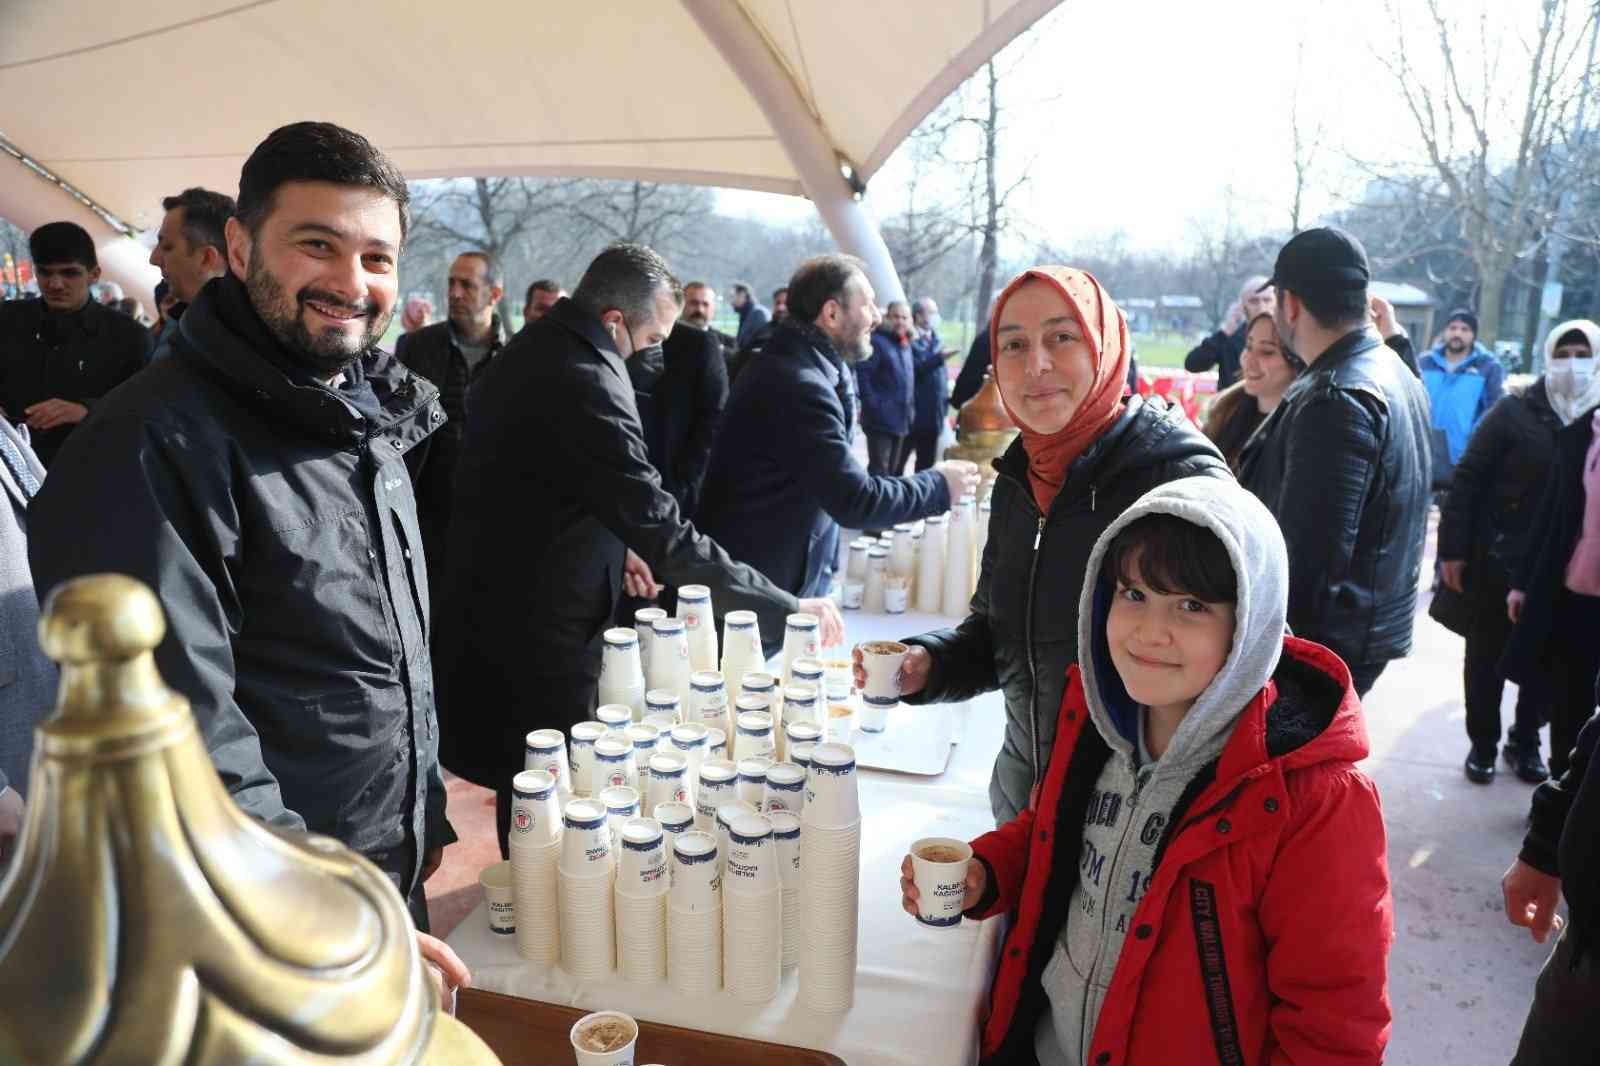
(1455,344)
(325,355)
(697,321)
(853,348)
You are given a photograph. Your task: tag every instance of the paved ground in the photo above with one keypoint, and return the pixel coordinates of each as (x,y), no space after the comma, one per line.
(1460,977)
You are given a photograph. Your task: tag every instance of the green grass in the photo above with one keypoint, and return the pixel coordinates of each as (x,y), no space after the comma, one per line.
(1162,349)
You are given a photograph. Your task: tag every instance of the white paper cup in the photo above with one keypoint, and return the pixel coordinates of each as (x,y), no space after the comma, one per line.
(546,749)
(644,623)
(753,779)
(800,640)
(841,724)
(716,742)
(580,745)
(785,789)
(873,717)
(676,819)
(832,798)
(896,594)
(881,660)
(535,810)
(694,610)
(741,647)
(615,716)
(759,683)
(621,803)
(941,886)
(620,1055)
(786,838)
(614,763)
(800,753)
(622,670)
(807,671)
(668,780)
(691,741)
(646,742)
(664,703)
(718,784)
(643,869)
(803,732)
(752,856)
(725,816)
(696,878)
(755,735)
(585,839)
(855,593)
(708,699)
(670,666)
(500,897)
(801,703)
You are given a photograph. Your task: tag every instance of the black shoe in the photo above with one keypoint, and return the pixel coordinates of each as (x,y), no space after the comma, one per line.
(1480,766)
(1525,760)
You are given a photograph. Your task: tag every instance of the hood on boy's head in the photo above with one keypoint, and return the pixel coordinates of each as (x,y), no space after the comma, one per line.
(1261,565)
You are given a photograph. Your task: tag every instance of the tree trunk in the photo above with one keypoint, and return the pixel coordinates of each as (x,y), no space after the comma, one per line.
(989,252)
(1530,328)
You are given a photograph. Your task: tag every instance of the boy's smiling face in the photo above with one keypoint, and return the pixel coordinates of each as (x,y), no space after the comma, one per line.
(1166,646)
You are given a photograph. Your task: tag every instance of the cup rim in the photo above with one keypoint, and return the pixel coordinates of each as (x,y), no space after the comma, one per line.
(499,869)
(590,727)
(901,648)
(526,784)
(648,614)
(668,625)
(572,1034)
(943,842)
(621,635)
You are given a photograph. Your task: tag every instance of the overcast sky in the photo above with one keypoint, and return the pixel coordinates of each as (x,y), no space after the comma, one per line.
(1142,115)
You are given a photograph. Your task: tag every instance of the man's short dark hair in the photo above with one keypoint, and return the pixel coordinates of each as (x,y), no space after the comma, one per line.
(781,290)
(549,285)
(1175,557)
(316,151)
(491,266)
(820,279)
(62,242)
(696,285)
(1335,308)
(743,288)
(205,217)
(626,278)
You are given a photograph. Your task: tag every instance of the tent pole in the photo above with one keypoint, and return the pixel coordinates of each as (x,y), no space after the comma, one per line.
(818,162)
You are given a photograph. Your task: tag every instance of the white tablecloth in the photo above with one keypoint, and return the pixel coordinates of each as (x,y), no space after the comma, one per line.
(918,990)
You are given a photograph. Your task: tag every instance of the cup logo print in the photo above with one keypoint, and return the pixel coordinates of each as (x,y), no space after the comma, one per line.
(524,823)
(680,795)
(618,779)
(811,646)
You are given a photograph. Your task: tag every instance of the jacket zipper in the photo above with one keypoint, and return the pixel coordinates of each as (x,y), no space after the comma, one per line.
(1027,637)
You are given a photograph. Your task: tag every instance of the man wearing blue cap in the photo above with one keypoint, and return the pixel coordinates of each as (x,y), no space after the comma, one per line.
(1343,462)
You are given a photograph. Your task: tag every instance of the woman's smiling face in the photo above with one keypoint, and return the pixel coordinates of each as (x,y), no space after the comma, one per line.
(1043,361)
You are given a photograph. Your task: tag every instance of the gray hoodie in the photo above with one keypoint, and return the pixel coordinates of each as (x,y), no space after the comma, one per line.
(1135,794)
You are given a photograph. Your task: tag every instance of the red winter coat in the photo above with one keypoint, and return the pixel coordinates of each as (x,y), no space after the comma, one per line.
(1264,935)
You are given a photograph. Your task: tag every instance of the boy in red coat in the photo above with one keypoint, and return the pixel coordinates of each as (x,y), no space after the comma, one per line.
(1201,875)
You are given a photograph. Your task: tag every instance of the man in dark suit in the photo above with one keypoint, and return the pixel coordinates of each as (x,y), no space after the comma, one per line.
(553,488)
(681,392)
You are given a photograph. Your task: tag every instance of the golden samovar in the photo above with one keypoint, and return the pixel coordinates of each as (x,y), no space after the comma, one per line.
(146,919)
(983,432)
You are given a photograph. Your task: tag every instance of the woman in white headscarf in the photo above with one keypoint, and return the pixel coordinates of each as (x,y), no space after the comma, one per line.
(1487,534)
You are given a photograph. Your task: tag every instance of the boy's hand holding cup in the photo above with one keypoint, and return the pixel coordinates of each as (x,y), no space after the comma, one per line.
(939,880)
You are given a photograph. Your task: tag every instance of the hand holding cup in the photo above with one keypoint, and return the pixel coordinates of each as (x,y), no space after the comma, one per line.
(914,669)
(911,898)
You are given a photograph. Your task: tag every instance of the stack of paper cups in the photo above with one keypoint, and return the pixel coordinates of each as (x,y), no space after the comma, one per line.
(801,733)
(808,672)
(725,816)
(662,705)
(752,911)
(761,684)
(960,567)
(614,764)
(535,859)
(718,784)
(641,903)
(930,564)
(615,717)
(669,780)
(694,916)
(646,739)
(877,571)
(622,671)
(755,735)
(741,647)
(546,749)
(621,803)
(753,780)
(676,819)
(708,699)
(786,835)
(800,753)
(801,703)
(694,610)
(800,641)
(644,624)
(855,575)
(669,658)
(902,557)
(830,871)
(581,747)
(583,887)
(691,742)
(785,789)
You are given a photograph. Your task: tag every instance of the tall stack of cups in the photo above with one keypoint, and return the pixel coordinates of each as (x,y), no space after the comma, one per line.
(855,573)
(694,609)
(752,911)
(725,817)
(669,659)
(535,859)
(741,648)
(786,834)
(801,703)
(801,640)
(644,624)
(622,671)
(708,699)
(546,749)
(581,747)
(809,671)
(584,889)
(641,901)
(718,784)
(930,564)
(830,871)
(961,560)
(760,683)
(694,916)
(877,571)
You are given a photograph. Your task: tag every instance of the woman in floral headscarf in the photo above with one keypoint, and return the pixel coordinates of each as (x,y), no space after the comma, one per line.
(1084,454)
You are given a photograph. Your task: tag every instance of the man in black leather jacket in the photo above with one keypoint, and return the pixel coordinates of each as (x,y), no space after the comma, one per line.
(1344,461)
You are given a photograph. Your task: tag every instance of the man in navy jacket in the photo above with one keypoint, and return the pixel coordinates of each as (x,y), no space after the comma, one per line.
(783,477)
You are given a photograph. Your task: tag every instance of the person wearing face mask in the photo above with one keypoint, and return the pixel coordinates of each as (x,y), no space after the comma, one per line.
(932,388)
(1266,371)
(558,510)
(1554,597)
(1084,454)
(1483,535)
(886,385)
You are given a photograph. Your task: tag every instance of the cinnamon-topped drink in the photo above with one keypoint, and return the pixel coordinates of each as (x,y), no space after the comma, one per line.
(884,647)
(940,853)
(605,1038)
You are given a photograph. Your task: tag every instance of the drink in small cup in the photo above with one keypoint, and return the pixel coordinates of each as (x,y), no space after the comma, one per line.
(841,722)
(881,660)
(498,894)
(939,868)
(605,1038)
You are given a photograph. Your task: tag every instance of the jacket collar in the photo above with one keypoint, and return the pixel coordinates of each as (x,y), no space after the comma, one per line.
(1343,350)
(222,335)
(570,317)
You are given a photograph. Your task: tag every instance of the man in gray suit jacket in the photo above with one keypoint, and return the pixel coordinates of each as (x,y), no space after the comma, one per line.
(27,677)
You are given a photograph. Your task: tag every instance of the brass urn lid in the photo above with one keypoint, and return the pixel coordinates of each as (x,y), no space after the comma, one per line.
(984,412)
(146,919)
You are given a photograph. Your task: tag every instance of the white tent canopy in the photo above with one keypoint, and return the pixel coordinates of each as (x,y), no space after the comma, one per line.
(128,103)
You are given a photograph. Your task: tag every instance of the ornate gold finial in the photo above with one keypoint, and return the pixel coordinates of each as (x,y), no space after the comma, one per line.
(145,919)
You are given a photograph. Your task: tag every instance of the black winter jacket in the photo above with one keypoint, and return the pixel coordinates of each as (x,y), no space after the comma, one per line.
(1220,350)
(1495,494)
(78,356)
(1343,462)
(783,478)
(1022,633)
(553,482)
(1542,568)
(680,406)
(1564,837)
(276,523)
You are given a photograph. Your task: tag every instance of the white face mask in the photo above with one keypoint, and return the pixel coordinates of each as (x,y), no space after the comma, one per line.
(1582,372)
